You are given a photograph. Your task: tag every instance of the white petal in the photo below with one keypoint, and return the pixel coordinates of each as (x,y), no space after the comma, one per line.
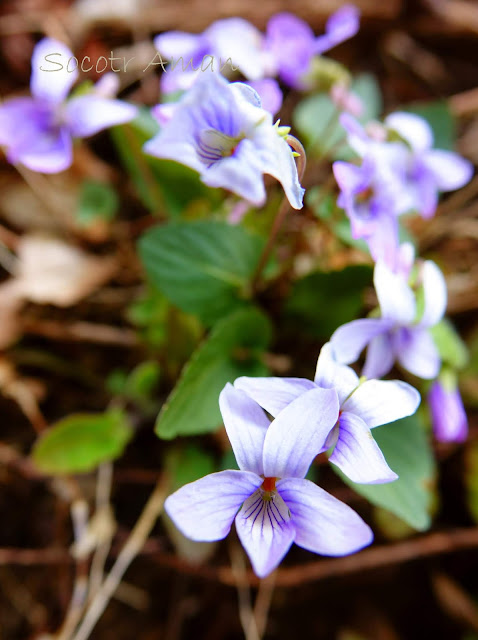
(435,294)
(382,401)
(246,425)
(449,169)
(54,70)
(396,299)
(274,394)
(414,129)
(331,375)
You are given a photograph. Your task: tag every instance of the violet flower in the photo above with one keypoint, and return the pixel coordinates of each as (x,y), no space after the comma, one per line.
(271,502)
(220,130)
(426,171)
(232,43)
(398,334)
(449,420)
(364,405)
(293,44)
(37,132)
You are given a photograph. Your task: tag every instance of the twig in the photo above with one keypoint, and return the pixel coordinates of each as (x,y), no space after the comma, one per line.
(132,547)
(246,615)
(103,494)
(263,602)
(82,331)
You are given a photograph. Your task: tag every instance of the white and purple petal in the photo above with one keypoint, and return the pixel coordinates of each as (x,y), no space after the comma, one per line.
(54,71)
(299,433)
(265,530)
(349,340)
(205,509)
(323,524)
(274,394)
(379,402)
(380,356)
(246,426)
(450,171)
(357,454)
(395,297)
(89,114)
(332,375)
(435,294)
(417,353)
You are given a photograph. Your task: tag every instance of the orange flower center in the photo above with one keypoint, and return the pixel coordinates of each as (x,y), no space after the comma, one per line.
(269,485)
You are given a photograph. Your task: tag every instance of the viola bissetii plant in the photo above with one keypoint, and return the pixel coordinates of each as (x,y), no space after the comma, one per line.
(232,282)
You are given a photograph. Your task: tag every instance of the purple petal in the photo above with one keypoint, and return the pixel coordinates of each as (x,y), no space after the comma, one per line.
(50,79)
(89,114)
(291,42)
(270,94)
(265,530)
(342,25)
(246,425)
(396,299)
(383,241)
(323,524)
(47,153)
(299,433)
(177,44)
(331,375)
(22,120)
(204,510)
(412,128)
(435,294)
(358,455)
(426,193)
(349,177)
(380,356)
(349,340)
(239,41)
(449,420)
(274,394)
(379,402)
(417,352)
(449,169)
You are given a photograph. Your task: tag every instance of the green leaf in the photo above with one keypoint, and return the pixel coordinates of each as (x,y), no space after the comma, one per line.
(453,350)
(316,117)
(187,464)
(324,300)
(441,120)
(81,442)
(471,479)
(232,349)
(406,449)
(203,267)
(97,201)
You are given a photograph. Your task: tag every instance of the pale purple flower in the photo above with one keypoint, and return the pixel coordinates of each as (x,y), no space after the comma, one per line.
(271,502)
(37,132)
(232,43)
(220,130)
(346,100)
(449,420)
(398,334)
(426,171)
(293,43)
(363,406)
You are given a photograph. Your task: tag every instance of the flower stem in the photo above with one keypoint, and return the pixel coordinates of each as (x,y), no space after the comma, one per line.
(281,213)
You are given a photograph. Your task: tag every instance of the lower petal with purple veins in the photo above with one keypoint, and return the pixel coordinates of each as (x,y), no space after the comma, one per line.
(265,530)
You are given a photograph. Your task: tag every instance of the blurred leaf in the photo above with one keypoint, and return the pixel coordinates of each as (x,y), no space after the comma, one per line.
(441,120)
(453,350)
(97,201)
(187,464)
(232,349)
(316,117)
(406,449)
(81,442)
(203,267)
(160,184)
(324,300)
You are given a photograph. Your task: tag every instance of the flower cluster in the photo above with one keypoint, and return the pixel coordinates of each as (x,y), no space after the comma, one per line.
(225,132)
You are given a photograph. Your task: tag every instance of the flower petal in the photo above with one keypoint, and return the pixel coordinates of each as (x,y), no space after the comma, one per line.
(342,25)
(246,425)
(177,44)
(349,340)
(239,41)
(416,352)
(332,375)
(53,74)
(47,153)
(380,356)
(379,402)
(434,290)
(204,510)
(414,129)
(265,530)
(358,455)
(323,524)
(299,432)
(449,420)
(270,94)
(89,114)
(449,169)
(395,297)
(274,394)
